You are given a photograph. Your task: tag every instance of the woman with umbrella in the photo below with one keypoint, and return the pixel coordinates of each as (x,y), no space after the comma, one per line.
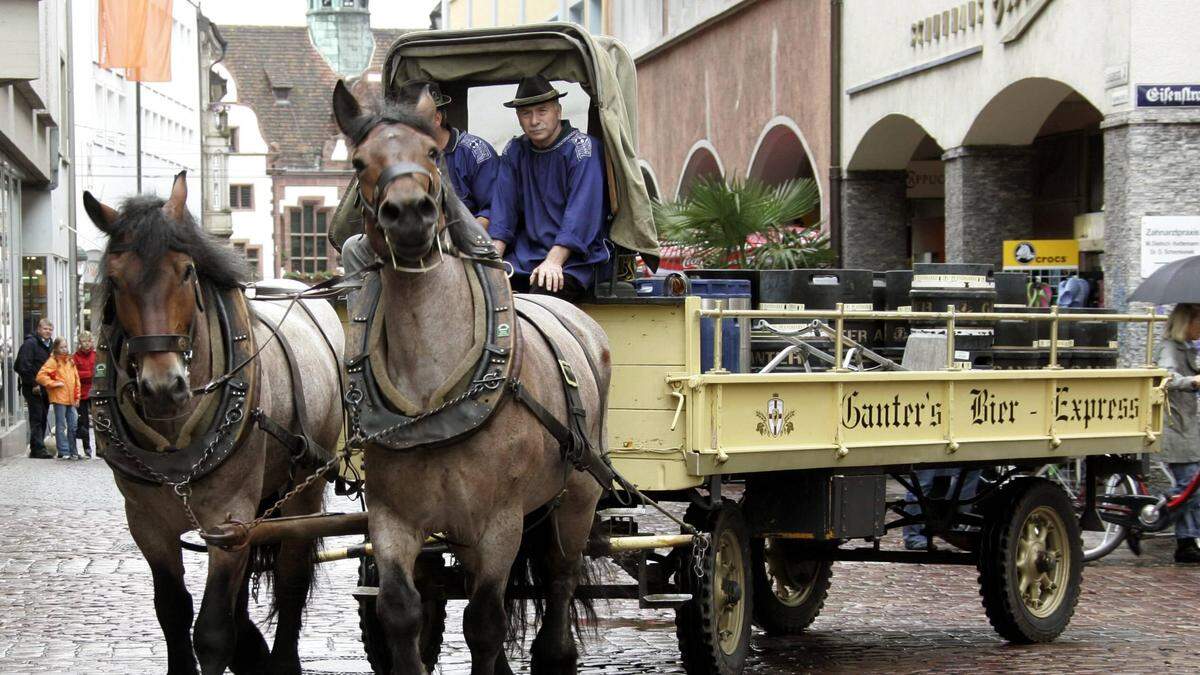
(1179,282)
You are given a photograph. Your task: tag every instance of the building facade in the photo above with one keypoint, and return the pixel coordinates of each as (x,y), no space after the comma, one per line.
(133,138)
(731,89)
(287,163)
(1021,120)
(37,220)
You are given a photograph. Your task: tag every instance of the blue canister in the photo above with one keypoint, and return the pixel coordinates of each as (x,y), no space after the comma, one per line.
(735,333)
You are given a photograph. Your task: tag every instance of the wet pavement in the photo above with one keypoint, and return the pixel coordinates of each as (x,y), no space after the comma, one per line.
(75,598)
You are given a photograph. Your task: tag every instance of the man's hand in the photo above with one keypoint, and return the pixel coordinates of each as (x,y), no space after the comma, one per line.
(499,246)
(483,222)
(549,275)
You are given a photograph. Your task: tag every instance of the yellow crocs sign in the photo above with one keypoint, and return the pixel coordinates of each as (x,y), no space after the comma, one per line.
(1041,254)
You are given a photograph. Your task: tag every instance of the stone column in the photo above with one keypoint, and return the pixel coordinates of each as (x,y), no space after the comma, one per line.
(1151,168)
(989,198)
(874,220)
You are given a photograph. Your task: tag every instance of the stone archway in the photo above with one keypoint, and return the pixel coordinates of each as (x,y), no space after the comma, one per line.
(782,154)
(702,161)
(995,179)
(888,219)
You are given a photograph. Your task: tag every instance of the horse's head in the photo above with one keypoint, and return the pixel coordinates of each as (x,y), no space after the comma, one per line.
(152,268)
(396,159)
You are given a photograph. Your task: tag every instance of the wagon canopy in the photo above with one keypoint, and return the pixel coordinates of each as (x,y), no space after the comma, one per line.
(558,51)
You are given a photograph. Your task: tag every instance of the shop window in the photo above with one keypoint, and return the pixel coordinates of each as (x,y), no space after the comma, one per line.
(33,291)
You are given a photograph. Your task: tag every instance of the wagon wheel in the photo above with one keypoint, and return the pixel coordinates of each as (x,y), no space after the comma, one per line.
(714,626)
(1030,562)
(433,607)
(789,590)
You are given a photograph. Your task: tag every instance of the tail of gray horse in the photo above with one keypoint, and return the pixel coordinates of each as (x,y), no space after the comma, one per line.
(529,578)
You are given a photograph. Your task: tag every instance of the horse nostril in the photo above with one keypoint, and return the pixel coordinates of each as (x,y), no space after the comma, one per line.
(180,385)
(389,212)
(427,208)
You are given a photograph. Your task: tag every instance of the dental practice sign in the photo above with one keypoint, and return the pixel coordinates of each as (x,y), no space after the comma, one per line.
(1168,95)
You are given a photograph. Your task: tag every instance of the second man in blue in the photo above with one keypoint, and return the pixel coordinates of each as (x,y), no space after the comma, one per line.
(549,208)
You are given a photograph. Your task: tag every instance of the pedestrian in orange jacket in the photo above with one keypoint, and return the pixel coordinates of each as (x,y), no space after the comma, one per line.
(60,379)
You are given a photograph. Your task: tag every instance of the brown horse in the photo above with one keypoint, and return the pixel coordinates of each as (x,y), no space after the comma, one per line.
(162,279)
(479,491)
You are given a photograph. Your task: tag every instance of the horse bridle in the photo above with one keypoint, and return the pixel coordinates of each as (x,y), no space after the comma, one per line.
(165,342)
(392,173)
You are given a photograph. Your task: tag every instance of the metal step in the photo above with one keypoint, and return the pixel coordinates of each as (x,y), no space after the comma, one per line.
(663,600)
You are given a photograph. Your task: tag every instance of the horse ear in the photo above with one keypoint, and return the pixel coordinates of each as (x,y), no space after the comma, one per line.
(103,216)
(176,205)
(346,109)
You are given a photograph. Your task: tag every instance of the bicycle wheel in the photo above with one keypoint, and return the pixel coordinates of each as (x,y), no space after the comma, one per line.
(1099,543)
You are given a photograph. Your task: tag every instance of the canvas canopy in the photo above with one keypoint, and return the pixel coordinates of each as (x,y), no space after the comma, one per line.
(558,51)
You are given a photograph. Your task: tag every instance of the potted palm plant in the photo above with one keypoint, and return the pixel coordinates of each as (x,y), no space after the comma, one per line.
(747,224)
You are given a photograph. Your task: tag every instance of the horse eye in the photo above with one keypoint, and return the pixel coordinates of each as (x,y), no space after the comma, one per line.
(433,153)
(188,272)
(358,165)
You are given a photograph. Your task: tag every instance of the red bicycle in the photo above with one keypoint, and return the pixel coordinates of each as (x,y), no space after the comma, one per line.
(1144,513)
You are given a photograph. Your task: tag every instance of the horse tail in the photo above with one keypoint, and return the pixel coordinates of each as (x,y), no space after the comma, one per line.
(530,577)
(261,568)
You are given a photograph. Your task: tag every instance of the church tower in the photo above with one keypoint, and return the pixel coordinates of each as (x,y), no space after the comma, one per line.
(341,32)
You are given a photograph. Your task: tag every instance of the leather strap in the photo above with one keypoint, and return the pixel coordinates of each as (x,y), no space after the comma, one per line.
(584,457)
(168,342)
(301,446)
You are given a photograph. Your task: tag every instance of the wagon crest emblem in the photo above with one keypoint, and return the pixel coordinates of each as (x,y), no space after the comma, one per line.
(776,421)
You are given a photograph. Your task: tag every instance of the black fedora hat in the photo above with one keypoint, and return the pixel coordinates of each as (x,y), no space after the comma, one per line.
(533,90)
(410,92)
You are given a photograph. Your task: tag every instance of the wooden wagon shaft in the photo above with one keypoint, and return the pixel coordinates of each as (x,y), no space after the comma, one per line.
(598,547)
(235,535)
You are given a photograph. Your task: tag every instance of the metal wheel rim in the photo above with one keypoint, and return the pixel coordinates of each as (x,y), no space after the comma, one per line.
(784,586)
(729,581)
(1043,559)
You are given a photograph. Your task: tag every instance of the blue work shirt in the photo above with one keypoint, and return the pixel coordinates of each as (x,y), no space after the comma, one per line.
(552,197)
(473,167)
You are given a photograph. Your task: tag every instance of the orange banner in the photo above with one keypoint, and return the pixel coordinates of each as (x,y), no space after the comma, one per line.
(136,35)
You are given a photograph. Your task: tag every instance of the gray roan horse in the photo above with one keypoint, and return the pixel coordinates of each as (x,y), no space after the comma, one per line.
(175,319)
(487,492)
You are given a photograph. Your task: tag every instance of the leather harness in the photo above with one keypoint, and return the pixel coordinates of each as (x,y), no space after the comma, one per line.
(236,413)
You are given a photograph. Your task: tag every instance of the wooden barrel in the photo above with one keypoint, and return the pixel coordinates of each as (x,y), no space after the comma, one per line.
(812,289)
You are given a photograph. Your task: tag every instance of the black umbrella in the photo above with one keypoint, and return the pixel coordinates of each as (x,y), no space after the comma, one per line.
(1173,283)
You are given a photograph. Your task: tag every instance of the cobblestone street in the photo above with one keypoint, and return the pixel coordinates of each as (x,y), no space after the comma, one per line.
(77,599)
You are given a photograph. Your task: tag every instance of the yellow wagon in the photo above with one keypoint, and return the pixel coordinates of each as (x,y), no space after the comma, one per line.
(782,474)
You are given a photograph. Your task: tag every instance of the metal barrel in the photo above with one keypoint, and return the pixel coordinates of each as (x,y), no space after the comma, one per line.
(898,286)
(812,289)
(735,333)
(1093,343)
(748,275)
(969,288)
(1016,345)
(882,337)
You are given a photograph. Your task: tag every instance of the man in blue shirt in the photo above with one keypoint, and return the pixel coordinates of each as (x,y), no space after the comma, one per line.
(549,206)
(472,162)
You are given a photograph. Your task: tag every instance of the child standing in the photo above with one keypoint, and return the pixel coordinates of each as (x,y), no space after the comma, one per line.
(60,379)
(85,364)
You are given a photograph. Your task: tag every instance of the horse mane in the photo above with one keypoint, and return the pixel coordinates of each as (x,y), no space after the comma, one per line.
(391,111)
(145,231)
